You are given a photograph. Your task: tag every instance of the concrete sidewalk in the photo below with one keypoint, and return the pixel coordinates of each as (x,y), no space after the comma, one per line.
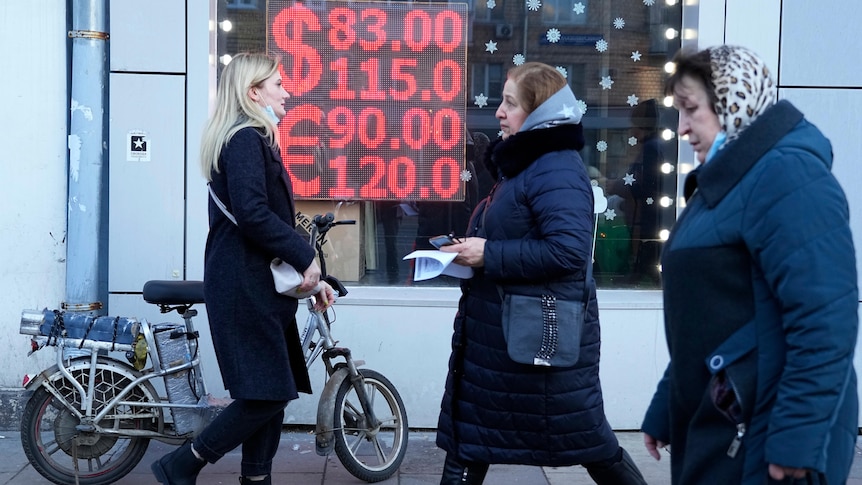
(297,463)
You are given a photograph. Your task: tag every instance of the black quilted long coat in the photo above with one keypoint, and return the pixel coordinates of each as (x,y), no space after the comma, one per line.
(538,222)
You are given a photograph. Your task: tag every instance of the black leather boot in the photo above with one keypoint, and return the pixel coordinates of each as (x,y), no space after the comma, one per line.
(179,467)
(246,481)
(623,471)
(458,473)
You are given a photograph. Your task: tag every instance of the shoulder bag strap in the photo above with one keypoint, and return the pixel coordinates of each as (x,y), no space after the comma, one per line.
(221,205)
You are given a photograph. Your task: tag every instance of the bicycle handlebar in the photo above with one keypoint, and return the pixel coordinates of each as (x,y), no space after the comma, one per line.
(325,222)
(322,224)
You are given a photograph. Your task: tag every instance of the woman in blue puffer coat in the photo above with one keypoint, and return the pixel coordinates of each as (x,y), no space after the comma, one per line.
(760,290)
(531,235)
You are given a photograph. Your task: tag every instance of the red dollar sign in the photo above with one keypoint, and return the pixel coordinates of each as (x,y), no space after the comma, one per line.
(300,60)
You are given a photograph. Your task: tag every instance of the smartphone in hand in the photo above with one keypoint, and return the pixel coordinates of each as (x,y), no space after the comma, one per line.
(440,241)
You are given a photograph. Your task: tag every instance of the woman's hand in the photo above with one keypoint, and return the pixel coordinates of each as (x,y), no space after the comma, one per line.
(778,472)
(471,252)
(310,277)
(653,446)
(324,298)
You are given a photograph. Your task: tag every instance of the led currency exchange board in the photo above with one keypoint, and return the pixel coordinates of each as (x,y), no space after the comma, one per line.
(378,98)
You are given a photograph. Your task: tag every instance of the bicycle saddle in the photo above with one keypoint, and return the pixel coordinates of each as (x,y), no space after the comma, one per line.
(168,292)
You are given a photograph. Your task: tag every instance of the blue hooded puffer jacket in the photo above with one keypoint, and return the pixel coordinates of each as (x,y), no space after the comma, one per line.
(760,287)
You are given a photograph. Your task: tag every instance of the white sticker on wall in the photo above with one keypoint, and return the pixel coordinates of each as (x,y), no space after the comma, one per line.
(138,147)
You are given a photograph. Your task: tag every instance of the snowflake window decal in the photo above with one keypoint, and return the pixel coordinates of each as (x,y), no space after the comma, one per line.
(649,200)
(553,35)
(519,59)
(610,214)
(466,176)
(602,145)
(534,5)
(606,82)
(582,105)
(491,4)
(619,23)
(491,46)
(629,179)
(578,8)
(601,45)
(632,100)
(481,100)
(562,70)
(636,56)
(649,3)
(633,141)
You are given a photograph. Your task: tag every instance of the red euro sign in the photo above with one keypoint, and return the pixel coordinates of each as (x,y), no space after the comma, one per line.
(301,67)
(295,162)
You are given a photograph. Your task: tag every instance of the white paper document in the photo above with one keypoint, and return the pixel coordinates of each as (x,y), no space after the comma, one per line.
(430,263)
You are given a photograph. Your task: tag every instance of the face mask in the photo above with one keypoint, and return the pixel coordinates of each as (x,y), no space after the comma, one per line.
(720,137)
(271,113)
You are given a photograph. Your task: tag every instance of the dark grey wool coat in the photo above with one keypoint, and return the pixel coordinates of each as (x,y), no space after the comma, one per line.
(253,327)
(538,222)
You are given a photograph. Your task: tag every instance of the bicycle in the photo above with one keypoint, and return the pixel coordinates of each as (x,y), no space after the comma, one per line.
(91,417)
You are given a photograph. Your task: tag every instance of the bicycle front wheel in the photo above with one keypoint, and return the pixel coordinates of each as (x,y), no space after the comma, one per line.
(370,451)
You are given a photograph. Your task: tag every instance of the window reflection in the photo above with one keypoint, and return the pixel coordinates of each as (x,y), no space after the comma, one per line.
(631,149)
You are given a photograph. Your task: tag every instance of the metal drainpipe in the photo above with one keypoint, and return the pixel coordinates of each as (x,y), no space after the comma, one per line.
(87,155)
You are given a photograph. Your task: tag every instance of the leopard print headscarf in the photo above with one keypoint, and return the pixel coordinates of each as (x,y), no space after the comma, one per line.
(743,85)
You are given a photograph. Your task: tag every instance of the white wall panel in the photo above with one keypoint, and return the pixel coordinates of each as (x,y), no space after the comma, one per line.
(146,197)
(709,24)
(148,36)
(33,170)
(405,334)
(201,75)
(634,354)
(819,43)
(756,25)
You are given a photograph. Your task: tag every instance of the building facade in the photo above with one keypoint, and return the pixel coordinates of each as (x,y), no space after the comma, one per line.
(163,60)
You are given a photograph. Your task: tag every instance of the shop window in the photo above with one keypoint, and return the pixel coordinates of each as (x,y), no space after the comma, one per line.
(485,14)
(563,12)
(488,79)
(613,55)
(243,4)
(575,73)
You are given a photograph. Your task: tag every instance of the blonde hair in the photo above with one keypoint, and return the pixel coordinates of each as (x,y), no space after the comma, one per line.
(234,109)
(536,82)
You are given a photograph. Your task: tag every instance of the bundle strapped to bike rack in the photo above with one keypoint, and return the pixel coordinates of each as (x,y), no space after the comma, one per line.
(57,325)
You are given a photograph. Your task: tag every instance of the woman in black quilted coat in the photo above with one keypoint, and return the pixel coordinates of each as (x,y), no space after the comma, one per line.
(532,235)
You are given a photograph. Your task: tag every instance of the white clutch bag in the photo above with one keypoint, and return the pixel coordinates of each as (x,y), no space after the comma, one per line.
(287,280)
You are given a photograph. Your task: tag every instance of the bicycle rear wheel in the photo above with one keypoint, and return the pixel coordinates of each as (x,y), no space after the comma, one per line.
(370,451)
(64,454)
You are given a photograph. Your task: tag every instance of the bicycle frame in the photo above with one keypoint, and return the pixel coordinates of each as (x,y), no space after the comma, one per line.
(89,419)
(318,323)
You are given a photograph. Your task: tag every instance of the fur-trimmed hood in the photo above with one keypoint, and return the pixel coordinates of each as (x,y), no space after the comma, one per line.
(511,156)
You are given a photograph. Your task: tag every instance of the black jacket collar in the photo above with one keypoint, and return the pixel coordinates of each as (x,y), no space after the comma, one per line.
(511,156)
(715,179)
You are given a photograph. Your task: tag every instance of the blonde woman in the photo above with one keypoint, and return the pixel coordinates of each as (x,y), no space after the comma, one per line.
(253,327)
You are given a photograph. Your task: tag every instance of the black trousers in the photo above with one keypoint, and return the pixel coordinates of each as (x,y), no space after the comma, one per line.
(256,425)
